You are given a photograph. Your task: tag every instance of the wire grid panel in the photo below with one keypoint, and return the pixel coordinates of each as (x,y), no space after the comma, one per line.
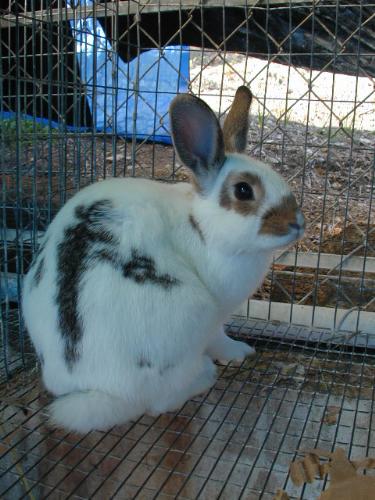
(235,442)
(314,124)
(313,120)
(316,129)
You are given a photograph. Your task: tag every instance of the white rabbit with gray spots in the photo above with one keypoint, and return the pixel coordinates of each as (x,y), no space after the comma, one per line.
(129,291)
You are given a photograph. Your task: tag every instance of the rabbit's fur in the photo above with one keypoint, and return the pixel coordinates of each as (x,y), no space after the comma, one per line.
(134,279)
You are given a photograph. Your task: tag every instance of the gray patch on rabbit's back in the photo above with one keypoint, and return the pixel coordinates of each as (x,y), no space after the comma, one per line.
(104,255)
(94,218)
(144,362)
(72,262)
(142,269)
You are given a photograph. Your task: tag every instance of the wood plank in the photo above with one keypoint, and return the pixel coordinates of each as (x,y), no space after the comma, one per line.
(318,317)
(353,263)
(289,332)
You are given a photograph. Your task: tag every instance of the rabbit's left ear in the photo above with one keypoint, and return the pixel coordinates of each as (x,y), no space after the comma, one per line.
(197,137)
(236,124)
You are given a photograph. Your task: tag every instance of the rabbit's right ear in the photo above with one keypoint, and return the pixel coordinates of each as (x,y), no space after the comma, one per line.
(236,124)
(197,137)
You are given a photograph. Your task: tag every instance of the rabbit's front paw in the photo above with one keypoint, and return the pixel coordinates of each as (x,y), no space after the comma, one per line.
(237,351)
(225,349)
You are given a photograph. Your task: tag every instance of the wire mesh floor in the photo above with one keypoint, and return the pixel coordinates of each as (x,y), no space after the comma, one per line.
(237,441)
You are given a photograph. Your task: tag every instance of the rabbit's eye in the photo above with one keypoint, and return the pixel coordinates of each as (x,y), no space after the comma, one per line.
(243,191)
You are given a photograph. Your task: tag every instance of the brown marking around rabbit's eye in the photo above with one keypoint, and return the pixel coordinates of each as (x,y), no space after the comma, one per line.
(277,219)
(243,207)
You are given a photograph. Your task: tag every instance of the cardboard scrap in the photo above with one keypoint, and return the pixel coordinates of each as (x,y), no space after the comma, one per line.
(330,416)
(306,470)
(281,495)
(345,483)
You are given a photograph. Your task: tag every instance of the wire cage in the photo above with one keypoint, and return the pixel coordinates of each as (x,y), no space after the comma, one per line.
(85,89)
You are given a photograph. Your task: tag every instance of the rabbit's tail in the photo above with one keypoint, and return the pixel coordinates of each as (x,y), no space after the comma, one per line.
(85,411)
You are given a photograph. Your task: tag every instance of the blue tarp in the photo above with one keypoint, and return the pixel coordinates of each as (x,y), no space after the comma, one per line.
(158,75)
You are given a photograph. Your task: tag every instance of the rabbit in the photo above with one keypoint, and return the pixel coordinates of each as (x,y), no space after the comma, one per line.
(126,300)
